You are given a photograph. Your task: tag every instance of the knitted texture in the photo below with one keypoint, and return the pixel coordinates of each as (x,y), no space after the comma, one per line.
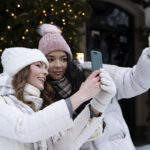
(16,58)
(52,40)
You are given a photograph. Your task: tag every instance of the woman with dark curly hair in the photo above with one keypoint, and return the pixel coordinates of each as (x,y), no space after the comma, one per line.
(65,76)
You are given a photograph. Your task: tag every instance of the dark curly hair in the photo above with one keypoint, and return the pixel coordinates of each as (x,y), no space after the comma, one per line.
(75,77)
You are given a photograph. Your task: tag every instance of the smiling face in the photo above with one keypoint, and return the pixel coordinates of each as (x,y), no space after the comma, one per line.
(57,64)
(37,75)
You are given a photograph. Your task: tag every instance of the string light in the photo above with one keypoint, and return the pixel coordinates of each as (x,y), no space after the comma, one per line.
(35,11)
(79,12)
(18,5)
(75,16)
(41,22)
(12,14)
(2,38)
(23,37)
(27,30)
(15,17)
(8,27)
(70,10)
(52,9)
(66,8)
(44,11)
(51,5)
(1,50)
(63,20)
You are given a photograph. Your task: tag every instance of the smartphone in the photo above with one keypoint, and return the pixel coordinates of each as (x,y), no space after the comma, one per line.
(96,60)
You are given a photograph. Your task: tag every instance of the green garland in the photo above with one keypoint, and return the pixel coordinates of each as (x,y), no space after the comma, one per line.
(20,19)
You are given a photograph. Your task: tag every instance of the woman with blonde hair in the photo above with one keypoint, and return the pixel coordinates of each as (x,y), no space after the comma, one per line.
(29,118)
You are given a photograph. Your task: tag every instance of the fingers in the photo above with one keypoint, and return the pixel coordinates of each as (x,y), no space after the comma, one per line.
(97,79)
(107,85)
(92,82)
(104,74)
(93,75)
(108,89)
(106,82)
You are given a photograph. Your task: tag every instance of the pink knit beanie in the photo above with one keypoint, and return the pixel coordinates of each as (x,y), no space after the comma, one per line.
(52,40)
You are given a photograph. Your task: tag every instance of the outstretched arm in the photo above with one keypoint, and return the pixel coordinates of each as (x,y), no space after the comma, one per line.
(129,82)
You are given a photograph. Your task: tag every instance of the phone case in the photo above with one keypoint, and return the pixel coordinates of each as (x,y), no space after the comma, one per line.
(96,60)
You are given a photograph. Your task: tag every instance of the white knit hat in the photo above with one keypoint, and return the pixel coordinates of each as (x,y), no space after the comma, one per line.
(15,59)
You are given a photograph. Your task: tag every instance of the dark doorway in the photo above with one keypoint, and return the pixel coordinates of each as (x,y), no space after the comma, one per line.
(110,31)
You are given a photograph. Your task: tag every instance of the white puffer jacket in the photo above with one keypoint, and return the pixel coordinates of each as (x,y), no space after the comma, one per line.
(48,129)
(130,82)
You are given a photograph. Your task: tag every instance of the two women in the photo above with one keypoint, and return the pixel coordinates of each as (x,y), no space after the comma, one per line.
(30,119)
(66,76)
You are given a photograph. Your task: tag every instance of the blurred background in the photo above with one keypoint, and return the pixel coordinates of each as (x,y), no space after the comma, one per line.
(117,28)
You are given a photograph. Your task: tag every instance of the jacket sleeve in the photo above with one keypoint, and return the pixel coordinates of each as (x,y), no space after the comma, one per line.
(85,128)
(133,81)
(129,82)
(29,128)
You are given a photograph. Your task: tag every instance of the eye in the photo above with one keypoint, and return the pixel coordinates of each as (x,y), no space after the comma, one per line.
(64,59)
(45,66)
(38,65)
(50,59)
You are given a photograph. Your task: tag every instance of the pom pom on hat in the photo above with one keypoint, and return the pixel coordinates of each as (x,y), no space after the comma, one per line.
(15,59)
(52,40)
(48,28)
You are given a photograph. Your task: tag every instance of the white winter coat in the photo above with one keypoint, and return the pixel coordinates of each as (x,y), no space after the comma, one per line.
(130,82)
(20,127)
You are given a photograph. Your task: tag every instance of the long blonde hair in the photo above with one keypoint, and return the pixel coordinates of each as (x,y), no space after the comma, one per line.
(19,82)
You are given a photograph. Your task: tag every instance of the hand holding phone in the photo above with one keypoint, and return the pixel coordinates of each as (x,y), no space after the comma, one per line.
(96,60)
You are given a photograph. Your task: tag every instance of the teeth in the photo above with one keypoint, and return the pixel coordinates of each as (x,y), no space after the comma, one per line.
(41,79)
